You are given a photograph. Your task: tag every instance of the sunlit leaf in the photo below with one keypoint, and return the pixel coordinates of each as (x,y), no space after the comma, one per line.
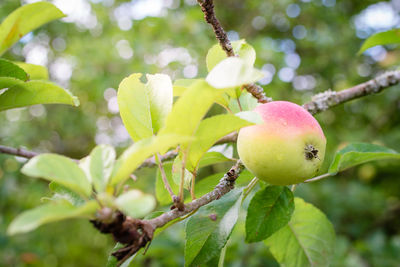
(240,47)
(21,94)
(61,192)
(212,157)
(144,107)
(177,174)
(140,151)
(24,20)
(210,131)
(381,38)
(307,240)
(59,169)
(358,153)
(269,210)
(36,72)
(135,203)
(51,212)
(98,166)
(189,109)
(208,230)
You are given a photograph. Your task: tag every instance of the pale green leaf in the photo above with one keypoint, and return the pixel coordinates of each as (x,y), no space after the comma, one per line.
(162,195)
(181,85)
(36,72)
(21,94)
(177,174)
(144,107)
(24,20)
(210,131)
(269,210)
(381,38)
(135,203)
(247,103)
(98,166)
(240,47)
(212,157)
(308,239)
(233,72)
(61,192)
(358,153)
(51,212)
(190,108)
(208,230)
(9,69)
(140,151)
(59,169)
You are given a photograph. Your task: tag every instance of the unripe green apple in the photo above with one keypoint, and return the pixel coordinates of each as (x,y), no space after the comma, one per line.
(288,148)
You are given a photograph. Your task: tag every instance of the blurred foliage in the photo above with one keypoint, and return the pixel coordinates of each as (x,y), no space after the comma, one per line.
(101,42)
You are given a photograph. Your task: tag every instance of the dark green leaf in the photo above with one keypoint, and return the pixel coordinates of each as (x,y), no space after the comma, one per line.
(59,169)
(358,153)
(162,195)
(269,210)
(381,38)
(308,239)
(209,229)
(24,20)
(9,69)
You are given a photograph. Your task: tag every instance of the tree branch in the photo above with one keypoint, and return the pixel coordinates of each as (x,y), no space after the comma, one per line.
(328,99)
(225,185)
(17,152)
(207,6)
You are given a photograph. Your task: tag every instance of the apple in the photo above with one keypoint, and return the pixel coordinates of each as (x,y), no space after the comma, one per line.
(288,148)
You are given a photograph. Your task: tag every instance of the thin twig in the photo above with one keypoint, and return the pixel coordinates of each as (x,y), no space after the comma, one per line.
(207,6)
(318,178)
(225,185)
(164,177)
(17,152)
(328,99)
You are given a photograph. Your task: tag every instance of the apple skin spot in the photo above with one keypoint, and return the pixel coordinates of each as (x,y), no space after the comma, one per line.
(276,151)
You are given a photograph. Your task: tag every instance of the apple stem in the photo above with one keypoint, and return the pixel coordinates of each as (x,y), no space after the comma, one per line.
(249,187)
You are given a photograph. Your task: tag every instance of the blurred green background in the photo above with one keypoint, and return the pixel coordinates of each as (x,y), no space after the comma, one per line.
(303,47)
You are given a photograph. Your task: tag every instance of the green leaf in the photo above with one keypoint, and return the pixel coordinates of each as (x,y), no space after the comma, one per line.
(9,69)
(51,212)
(21,94)
(144,107)
(308,239)
(99,165)
(189,109)
(241,48)
(247,103)
(381,38)
(61,192)
(269,210)
(162,195)
(208,230)
(177,174)
(207,184)
(210,131)
(36,72)
(24,20)
(210,158)
(358,153)
(181,85)
(135,203)
(59,169)
(233,72)
(140,151)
